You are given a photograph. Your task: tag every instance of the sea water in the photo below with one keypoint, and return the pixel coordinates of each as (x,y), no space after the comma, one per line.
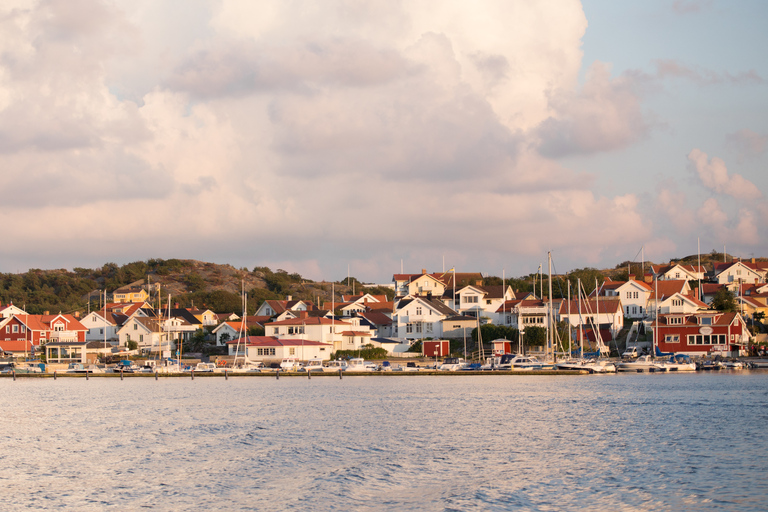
(496,442)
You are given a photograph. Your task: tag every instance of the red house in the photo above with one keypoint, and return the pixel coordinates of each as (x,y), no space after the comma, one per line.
(19,334)
(702,333)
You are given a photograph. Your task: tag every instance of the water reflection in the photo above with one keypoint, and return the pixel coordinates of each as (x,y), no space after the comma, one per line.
(633,442)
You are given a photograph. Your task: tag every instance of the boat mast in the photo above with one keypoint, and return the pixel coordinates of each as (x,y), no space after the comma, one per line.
(550,313)
(581,334)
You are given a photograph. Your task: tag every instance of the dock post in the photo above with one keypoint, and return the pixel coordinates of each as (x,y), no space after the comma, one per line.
(193,374)
(339,373)
(277,374)
(155,374)
(54,375)
(309,374)
(86,374)
(13,372)
(226,377)
(121,374)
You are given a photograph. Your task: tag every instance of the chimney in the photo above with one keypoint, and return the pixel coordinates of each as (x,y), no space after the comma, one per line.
(423,271)
(176,305)
(696,293)
(631,277)
(753,260)
(77,314)
(46,312)
(289,297)
(303,314)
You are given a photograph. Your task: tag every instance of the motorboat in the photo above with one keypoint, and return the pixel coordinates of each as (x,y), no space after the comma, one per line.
(680,363)
(385,366)
(126,366)
(641,364)
(335,366)
(523,363)
(83,368)
(733,365)
(289,364)
(313,365)
(24,368)
(452,364)
(589,365)
(358,364)
(205,368)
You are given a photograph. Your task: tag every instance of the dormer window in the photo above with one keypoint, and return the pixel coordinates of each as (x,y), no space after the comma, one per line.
(705,320)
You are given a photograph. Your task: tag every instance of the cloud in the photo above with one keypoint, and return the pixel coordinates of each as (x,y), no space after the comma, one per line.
(714,176)
(670,68)
(746,143)
(690,6)
(604,115)
(295,132)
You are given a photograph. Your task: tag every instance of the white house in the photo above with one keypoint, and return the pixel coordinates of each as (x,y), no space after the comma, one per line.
(419,317)
(678,271)
(736,272)
(275,307)
(9,310)
(270,349)
(97,325)
(633,294)
(145,331)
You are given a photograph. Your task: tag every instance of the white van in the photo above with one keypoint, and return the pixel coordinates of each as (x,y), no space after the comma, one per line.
(630,352)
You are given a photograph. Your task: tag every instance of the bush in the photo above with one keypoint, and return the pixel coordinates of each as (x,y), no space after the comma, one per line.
(365,353)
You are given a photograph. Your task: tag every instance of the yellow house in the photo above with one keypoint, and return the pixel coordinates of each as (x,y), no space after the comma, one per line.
(130,294)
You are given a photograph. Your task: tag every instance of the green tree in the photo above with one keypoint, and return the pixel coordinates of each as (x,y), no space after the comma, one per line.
(724,300)
(535,336)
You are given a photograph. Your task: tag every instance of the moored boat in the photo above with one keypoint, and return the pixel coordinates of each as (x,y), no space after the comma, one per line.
(641,364)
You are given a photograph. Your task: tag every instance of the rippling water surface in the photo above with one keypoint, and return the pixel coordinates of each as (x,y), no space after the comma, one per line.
(617,442)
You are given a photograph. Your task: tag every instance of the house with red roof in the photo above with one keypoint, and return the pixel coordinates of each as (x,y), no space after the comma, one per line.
(678,271)
(738,272)
(20,334)
(270,349)
(633,294)
(702,333)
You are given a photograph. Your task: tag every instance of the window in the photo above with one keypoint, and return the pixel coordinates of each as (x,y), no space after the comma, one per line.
(669,338)
(428,327)
(675,321)
(637,295)
(141,338)
(101,331)
(418,310)
(488,301)
(15,328)
(469,299)
(408,327)
(705,321)
(275,330)
(292,351)
(418,327)
(7,329)
(135,326)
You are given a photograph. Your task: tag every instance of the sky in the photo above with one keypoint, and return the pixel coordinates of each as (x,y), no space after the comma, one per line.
(337,137)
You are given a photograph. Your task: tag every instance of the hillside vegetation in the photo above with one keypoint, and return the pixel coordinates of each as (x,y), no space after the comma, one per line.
(218,287)
(189,283)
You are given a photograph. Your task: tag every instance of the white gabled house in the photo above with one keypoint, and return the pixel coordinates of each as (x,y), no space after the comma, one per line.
(269,349)
(678,271)
(736,272)
(97,324)
(633,294)
(419,317)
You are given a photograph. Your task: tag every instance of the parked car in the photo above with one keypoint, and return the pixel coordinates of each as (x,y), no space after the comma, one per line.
(630,352)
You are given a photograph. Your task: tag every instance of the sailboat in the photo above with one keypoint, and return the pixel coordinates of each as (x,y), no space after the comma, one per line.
(591,365)
(247,365)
